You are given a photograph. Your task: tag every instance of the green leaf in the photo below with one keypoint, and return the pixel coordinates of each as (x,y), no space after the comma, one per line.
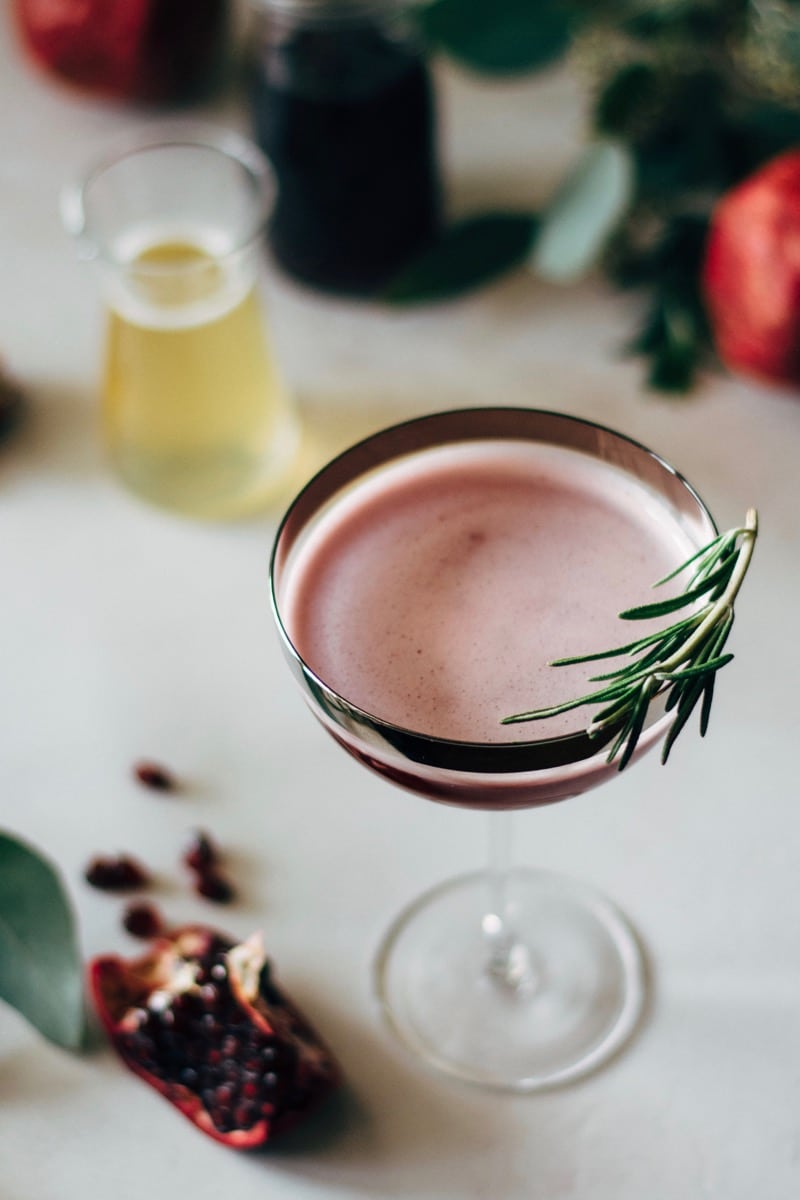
(701,668)
(643,612)
(501,37)
(40,967)
(623,100)
(584,213)
(685,657)
(467,255)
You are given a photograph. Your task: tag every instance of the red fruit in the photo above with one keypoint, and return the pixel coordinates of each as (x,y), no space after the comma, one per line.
(751,274)
(199,1019)
(116,874)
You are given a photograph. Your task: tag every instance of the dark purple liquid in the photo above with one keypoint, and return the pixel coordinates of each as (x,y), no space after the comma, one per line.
(346,118)
(185,51)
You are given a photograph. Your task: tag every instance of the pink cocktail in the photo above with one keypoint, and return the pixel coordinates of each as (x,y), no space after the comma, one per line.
(422,583)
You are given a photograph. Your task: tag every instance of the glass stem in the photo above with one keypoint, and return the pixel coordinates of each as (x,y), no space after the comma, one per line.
(509,962)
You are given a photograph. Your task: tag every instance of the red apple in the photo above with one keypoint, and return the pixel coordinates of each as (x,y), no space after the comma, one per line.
(751,273)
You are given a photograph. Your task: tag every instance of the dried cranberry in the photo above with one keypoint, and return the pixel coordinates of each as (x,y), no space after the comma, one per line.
(154,776)
(176,1031)
(116,874)
(143,921)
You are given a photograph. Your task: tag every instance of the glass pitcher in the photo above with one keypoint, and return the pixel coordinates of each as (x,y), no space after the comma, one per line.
(195,414)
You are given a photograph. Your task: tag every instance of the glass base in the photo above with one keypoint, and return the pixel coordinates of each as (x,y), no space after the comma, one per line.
(570,992)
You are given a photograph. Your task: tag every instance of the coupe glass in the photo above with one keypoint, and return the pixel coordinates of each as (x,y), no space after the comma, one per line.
(510,978)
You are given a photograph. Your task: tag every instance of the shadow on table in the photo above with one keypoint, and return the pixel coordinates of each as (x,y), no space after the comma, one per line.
(394,1130)
(397,1130)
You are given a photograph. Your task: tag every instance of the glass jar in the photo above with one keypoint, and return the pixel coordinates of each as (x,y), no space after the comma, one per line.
(342,105)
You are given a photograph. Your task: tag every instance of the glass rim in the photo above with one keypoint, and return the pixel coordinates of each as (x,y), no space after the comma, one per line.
(176,134)
(334,14)
(558,751)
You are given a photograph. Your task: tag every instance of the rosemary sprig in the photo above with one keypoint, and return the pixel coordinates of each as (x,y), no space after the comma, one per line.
(681,660)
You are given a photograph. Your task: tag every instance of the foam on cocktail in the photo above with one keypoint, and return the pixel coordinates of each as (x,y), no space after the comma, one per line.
(436,592)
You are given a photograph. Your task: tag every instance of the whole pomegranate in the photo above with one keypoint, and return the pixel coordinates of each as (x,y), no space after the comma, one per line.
(200,1018)
(751,273)
(150,50)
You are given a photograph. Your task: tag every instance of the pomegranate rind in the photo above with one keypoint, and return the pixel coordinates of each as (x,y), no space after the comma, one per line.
(119,987)
(90,43)
(751,273)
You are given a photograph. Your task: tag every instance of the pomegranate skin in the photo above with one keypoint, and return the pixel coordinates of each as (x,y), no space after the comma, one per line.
(96,44)
(751,273)
(236,1057)
(153,51)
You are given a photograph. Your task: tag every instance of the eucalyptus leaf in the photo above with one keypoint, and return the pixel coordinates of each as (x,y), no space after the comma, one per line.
(585,211)
(501,37)
(467,255)
(40,967)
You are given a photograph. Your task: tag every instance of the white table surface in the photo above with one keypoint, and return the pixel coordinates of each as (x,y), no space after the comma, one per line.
(127,632)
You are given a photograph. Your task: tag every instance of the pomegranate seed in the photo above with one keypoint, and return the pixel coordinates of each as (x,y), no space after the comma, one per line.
(214,887)
(201,854)
(143,921)
(245,1115)
(153,775)
(116,874)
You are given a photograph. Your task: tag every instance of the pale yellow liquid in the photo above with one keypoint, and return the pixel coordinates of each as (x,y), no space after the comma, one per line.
(195,413)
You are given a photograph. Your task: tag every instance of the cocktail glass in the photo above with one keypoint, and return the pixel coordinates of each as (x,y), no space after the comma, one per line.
(510,978)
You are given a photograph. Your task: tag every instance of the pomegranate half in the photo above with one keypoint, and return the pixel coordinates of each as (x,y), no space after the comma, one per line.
(199,1018)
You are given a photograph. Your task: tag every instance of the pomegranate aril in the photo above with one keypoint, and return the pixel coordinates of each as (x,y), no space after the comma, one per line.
(116,874)
(214,887)
(245,1115)
(153,775)
(222,1120)
(143,921)
(201,853)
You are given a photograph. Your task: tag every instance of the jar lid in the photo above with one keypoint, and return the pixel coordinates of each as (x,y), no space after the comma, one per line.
(324,12)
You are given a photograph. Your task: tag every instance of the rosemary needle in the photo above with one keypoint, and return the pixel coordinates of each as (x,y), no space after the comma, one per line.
(680,661)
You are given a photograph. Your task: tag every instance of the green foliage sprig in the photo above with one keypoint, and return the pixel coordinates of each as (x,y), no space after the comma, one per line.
(681,660)
(695,94)
(40,965)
